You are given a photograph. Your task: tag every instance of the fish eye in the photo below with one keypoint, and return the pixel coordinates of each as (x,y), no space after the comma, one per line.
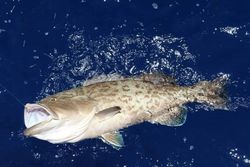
(53,99)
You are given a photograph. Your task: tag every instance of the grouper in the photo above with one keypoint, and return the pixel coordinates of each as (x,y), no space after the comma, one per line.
(99,109)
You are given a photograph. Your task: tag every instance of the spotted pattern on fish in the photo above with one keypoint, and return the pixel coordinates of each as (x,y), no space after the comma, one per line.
(104,107)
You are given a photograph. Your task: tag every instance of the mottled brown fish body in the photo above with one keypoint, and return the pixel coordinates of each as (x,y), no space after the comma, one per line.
(100,109)
(139,100)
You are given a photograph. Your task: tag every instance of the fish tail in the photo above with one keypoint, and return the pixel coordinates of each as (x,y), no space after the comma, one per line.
(213,92)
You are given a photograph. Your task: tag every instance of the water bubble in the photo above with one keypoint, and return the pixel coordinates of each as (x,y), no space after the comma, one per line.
(155,5)
(191,147)
(237,155)
(37,155)
(36,57)
(184,139)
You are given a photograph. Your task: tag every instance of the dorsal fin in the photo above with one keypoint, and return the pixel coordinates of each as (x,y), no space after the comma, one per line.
(158,78)
(114,139)
(173,117)
(155,77)
(103,78)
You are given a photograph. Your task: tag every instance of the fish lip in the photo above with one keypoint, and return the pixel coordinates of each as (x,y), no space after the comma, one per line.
(31,106)
(30,131)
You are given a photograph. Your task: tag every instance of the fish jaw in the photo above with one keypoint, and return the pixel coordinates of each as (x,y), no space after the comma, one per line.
(35,114)
(35,117)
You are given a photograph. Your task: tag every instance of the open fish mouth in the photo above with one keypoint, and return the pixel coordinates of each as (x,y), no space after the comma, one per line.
(35,114)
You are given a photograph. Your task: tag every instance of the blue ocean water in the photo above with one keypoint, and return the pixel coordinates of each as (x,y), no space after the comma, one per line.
(49,46)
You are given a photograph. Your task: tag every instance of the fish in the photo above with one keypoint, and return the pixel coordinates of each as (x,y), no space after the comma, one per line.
(101,108)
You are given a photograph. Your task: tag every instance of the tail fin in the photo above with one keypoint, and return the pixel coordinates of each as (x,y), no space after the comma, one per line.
(213,92)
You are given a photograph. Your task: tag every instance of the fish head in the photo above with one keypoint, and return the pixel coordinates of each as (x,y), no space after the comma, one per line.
(38,120)
(57,120)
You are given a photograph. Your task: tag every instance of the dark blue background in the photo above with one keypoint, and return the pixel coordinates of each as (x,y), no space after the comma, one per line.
(213,134)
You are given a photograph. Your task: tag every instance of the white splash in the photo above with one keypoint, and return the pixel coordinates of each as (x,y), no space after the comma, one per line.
(236,154)
(127,54)
(155,5)
(229,30)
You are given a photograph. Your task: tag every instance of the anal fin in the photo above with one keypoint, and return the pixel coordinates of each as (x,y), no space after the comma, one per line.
(174,117)
(114,139)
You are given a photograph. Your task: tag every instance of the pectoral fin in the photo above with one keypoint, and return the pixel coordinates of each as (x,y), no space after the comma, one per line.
(174,117)
(108,113)
(114,139)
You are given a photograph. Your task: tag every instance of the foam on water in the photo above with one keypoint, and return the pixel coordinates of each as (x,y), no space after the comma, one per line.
(240,32)
(229,30)
(124,55)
